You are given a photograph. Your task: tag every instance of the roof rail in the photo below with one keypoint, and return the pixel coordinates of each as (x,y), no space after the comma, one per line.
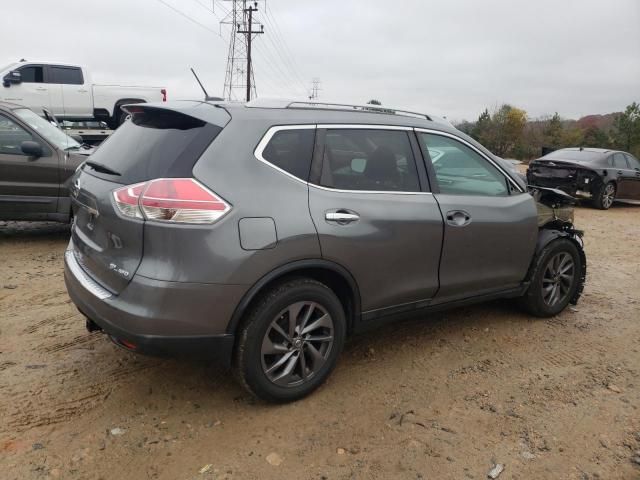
(369,108)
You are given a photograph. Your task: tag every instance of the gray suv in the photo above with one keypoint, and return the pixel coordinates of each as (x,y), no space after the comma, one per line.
(264,234)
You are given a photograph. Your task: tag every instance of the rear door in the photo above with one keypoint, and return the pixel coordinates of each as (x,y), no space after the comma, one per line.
(625,176)
(375,215)
(634,182)
(490,226)
(75,94)
(27,184)
(156,143)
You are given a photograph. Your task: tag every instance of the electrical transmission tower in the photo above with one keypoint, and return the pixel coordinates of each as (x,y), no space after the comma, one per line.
(239,80)
(315,88)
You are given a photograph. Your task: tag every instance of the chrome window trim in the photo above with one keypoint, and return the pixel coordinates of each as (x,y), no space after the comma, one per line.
(471,146)
(267,138)
(85,280)
(361,126)
(273,130)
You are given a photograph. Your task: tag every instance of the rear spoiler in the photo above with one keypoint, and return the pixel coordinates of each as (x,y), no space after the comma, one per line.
(205,112)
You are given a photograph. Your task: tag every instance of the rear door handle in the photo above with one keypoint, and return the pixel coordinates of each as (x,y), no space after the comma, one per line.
(458,218)
(41,89)
(341,217)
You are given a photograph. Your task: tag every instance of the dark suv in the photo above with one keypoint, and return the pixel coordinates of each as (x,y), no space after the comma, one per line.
(263,234)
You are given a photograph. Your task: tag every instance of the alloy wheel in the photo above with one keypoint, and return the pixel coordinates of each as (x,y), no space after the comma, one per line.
(558,278)
(297,343)
(608,195)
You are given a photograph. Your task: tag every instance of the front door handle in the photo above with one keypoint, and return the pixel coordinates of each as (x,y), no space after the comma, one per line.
(41,89)
(341,217)
(458,218)
(619,172)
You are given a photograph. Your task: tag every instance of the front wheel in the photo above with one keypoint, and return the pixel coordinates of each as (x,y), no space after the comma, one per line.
(290,341)
(605,196)
(555,280)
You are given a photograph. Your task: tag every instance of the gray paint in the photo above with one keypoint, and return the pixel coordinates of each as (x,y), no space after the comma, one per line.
(192,277)
(257,233)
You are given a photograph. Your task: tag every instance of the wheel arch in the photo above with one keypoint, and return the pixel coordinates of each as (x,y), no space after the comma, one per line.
(546,236)
(334,275)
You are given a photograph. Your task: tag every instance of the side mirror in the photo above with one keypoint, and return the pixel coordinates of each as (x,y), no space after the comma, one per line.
(12,77)
(31,148)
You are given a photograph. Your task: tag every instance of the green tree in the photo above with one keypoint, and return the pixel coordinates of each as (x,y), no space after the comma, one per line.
(627,128)
(595,137)
(553,132)
(373,101)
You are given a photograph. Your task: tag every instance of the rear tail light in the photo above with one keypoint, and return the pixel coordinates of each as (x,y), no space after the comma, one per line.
(177,200)
(164,94)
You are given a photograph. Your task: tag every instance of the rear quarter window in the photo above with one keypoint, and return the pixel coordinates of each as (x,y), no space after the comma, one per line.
(291,150)
(155,143)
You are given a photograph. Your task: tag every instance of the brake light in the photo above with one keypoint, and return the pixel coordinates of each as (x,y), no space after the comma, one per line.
(178,200)
(164,94)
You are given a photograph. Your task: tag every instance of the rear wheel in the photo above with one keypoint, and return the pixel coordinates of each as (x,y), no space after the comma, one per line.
(555,279)
(605,196)
(290,341)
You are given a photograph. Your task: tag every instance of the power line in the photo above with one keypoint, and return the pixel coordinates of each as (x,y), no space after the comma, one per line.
(191,19)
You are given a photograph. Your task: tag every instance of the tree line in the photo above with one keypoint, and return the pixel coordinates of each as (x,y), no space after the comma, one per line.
(508,132)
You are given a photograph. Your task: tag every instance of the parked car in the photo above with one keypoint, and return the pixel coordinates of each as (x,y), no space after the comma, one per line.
(36,161)
(69,93)
(597,174)
(263,234)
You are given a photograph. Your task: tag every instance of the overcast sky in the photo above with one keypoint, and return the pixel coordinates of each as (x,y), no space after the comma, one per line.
(451,58)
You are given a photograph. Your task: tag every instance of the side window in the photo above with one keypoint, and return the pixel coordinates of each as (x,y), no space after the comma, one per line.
(11,136)
(632,161)
(291,151)
(460,170)
(369,159)
(32,74)
(610,161)
(619,161)
(66,75)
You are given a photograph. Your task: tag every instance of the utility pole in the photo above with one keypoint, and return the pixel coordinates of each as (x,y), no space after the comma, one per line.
(249,33)
(315,88)
(239,80)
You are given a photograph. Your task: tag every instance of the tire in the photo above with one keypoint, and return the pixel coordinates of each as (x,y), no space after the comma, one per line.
(265,350)
(605,196)
(538,299)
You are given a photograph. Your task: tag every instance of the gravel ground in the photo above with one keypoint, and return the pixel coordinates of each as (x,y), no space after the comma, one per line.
(447,396)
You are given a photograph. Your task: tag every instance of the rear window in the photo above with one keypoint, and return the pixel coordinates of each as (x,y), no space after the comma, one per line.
(582,156)
(155,143)
(66,75)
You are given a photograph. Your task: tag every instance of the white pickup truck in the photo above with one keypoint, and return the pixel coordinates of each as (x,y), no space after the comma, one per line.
(68,92)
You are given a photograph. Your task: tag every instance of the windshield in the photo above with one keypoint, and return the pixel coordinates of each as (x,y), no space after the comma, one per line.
(47,130)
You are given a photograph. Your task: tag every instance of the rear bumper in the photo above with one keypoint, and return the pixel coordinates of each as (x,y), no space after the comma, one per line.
(157,317)
(579,186)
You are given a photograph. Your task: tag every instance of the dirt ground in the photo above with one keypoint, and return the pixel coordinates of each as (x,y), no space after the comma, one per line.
(443,397)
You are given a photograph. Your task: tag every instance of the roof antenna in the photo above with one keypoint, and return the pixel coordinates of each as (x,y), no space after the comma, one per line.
(207,98)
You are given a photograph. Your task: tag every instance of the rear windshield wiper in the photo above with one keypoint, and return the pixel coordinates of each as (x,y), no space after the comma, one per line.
(98,167)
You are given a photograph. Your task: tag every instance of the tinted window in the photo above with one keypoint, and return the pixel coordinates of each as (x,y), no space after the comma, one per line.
(619,161)
(375,160)
(66,75)
(460,170)
(31,74)
(155,144)
(633,161)
(579,155)
(11,136)
(291,150)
